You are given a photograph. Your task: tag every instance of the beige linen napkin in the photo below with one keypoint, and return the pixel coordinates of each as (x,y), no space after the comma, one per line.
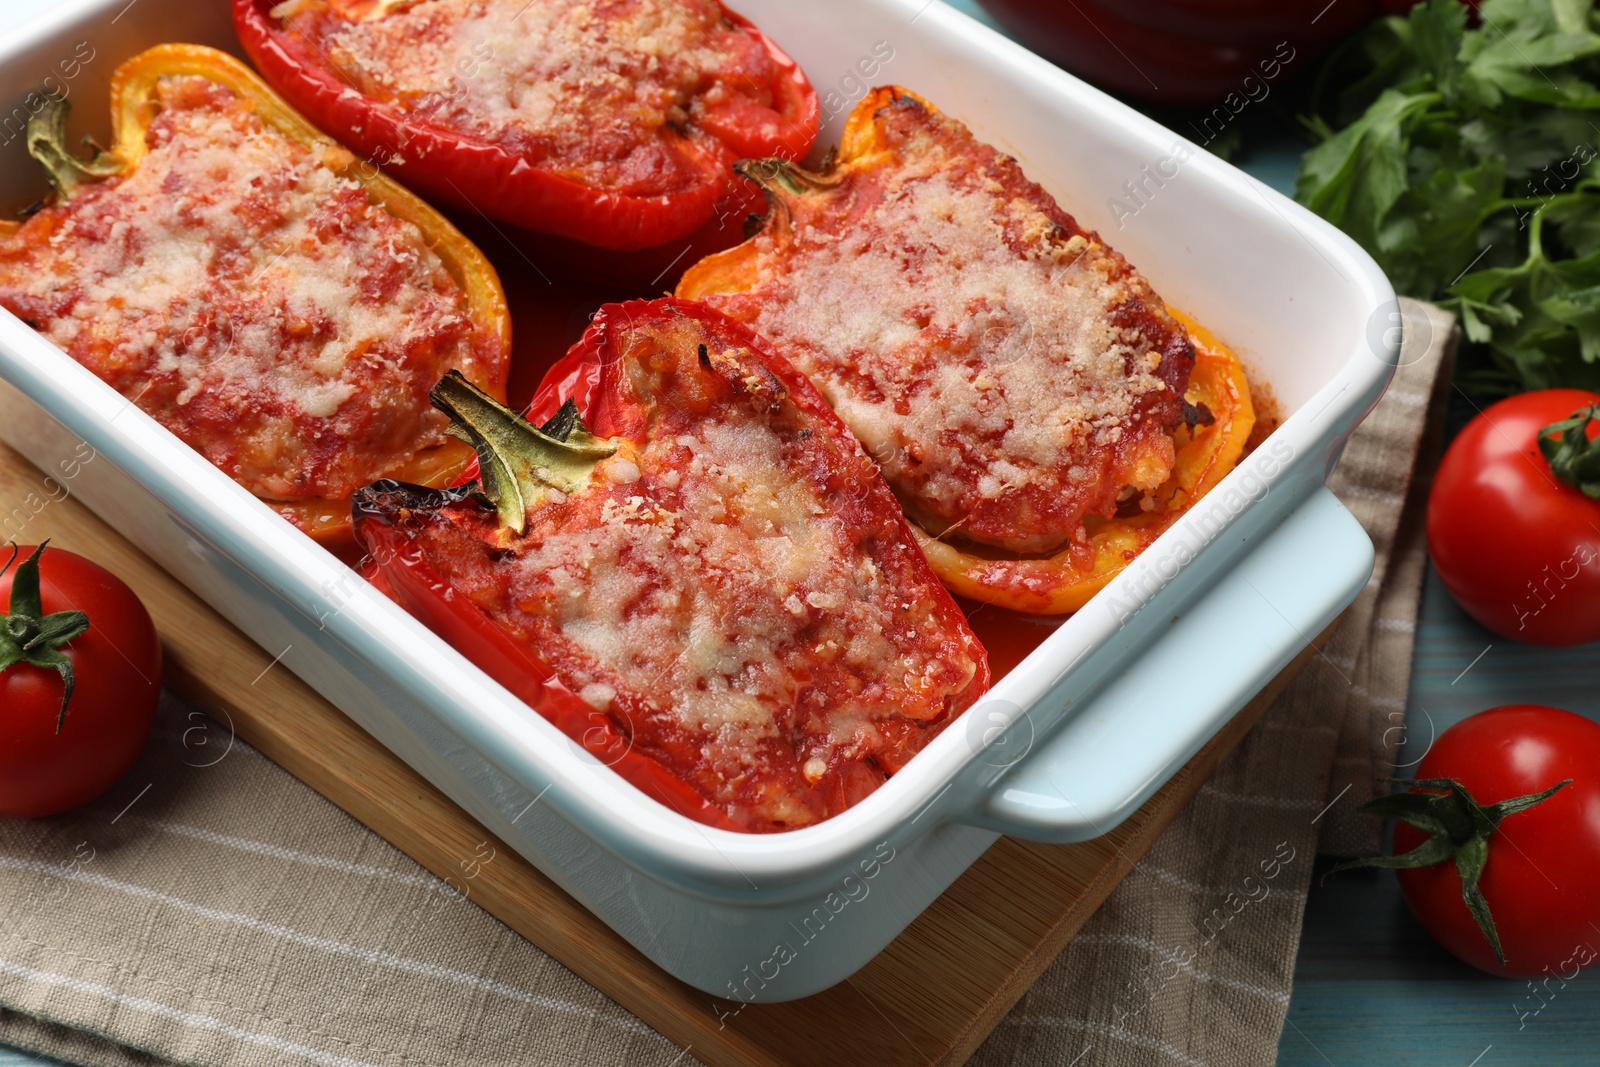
(211,910)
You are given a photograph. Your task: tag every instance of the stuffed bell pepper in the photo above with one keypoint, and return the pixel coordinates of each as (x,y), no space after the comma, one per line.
(245,281)
(611,122)
(703,580)
(1039,412)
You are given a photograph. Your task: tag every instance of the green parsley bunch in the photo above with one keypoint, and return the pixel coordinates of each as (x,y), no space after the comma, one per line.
(1471,173)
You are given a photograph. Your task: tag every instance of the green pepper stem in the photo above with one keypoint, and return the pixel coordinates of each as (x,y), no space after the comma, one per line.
(519,464)
(1574,459)
(47,143)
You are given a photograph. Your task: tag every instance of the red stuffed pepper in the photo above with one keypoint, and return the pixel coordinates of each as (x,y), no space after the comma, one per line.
(1040,413)
(613,123)
(255,289)
(704,581)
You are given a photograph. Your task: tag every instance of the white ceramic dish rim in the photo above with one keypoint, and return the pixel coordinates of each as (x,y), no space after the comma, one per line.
(526,746)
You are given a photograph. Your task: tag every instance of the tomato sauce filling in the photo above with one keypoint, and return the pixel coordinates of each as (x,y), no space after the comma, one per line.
(627,95)
(249,298)
(733,589)
(1011,373)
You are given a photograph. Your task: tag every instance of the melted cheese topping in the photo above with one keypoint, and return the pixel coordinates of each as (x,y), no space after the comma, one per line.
(250,299)
(599,90)
(999,366)
(698,593)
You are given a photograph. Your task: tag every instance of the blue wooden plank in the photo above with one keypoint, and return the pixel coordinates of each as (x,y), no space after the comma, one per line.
(1408,1023)
(971,7)
(10,1057)
(1508,672)
(1370,985)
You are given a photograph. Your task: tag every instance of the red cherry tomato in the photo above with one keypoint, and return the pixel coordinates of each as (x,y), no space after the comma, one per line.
(1542,876)
(116,670)
(1517,548)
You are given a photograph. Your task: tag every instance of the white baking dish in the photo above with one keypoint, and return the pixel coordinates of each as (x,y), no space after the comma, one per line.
(1066,745)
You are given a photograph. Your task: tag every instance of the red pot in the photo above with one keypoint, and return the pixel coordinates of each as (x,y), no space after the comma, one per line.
(1184,51)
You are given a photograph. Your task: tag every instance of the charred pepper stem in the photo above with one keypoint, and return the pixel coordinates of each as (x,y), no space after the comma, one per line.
(518,462)
(1458,829)
(1573,458)
(28,635)
(779,176)
(47,143)
(781,179)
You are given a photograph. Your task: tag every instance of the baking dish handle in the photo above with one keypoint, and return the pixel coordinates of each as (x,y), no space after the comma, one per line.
(1194,676)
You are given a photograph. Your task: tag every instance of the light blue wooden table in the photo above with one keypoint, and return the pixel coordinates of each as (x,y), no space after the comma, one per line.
(1370,987)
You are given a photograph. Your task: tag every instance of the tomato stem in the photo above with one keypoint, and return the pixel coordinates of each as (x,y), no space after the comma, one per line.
(1574,459)
(1458,830)
(28,635)
(519,464)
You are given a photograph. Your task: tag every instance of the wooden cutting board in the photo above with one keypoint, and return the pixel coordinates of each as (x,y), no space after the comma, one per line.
(929,998)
